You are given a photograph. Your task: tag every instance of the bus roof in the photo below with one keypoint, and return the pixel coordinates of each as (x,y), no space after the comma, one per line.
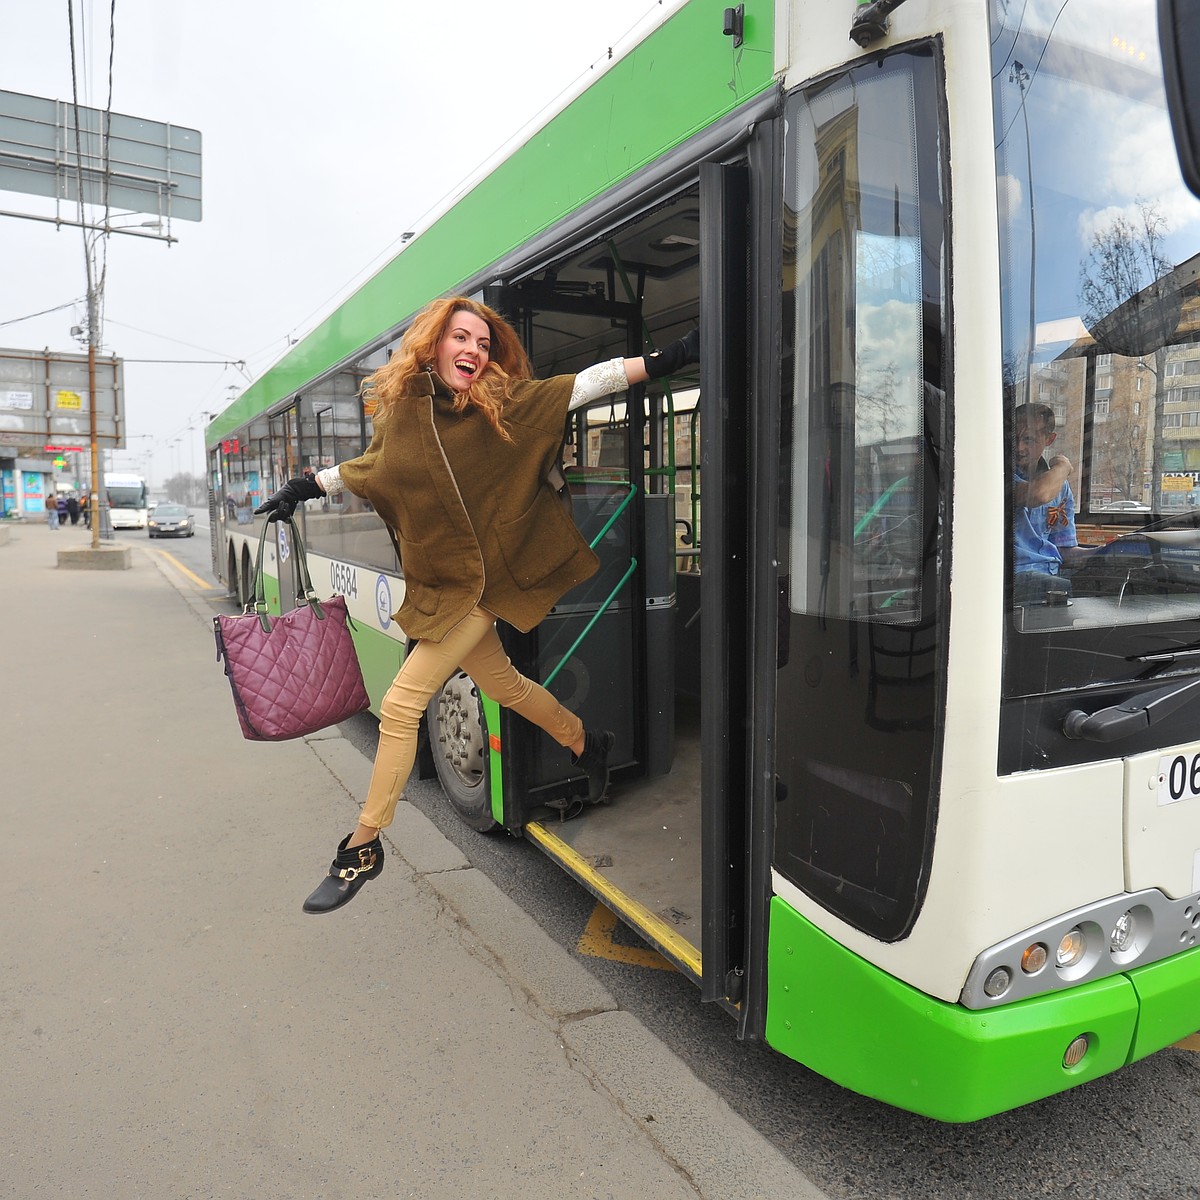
(676,80)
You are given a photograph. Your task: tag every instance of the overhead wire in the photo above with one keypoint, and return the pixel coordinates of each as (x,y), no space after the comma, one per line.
(43,313)
(180,342)
(87,256)
(1032,74)
(102,237)
(382,255)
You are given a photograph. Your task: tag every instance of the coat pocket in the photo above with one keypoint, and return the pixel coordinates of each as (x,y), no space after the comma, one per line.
(539,541)
(422,584)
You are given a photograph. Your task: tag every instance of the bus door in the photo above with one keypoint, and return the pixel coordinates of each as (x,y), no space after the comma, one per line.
(726,595)
(654,646)
(863,494)
(671,654)
(591,650)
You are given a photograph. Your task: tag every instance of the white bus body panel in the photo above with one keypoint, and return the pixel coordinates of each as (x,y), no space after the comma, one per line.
(1027,847)
(1162,821)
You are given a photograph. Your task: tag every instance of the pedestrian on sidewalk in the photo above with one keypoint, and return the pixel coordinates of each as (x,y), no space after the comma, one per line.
(51,512)
(73,508)
(464,441)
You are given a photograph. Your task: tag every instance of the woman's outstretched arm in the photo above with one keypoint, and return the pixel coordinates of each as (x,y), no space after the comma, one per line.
(620,373)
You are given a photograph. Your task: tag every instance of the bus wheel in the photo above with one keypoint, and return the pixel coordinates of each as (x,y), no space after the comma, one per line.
(231,578)
(458,739)
(246,580)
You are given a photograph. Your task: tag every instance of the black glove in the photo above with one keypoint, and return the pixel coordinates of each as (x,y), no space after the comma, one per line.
(282,504)
(669,359)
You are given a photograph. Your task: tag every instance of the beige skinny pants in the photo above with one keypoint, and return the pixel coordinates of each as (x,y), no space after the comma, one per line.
(474,645)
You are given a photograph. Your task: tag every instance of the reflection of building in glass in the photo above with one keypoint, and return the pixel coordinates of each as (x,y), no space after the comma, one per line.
(1105,405)
(1181,427)
(853,267)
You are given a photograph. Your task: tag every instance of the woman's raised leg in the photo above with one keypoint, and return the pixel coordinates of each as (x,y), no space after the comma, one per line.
(426,667)
(493,671)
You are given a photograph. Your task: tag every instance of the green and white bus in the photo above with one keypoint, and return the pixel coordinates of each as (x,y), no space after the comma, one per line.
(935,840)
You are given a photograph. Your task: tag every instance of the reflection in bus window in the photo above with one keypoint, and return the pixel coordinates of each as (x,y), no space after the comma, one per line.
(864,510)
(247,473)
(334,428)
(857,529)
(1100,317)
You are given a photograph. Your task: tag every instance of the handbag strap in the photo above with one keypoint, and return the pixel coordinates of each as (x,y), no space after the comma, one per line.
(305,593)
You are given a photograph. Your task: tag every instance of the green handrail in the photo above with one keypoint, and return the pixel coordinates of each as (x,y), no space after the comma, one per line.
(873,511)
(588,627)
(611,595)
(629,495)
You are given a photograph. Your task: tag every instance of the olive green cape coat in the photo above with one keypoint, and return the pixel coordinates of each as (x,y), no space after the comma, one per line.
(482,525)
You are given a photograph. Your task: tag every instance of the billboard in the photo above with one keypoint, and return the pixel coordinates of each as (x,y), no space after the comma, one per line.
(113,160)
(44,402)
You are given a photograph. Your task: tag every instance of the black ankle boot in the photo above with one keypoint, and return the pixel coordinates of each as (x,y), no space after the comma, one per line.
(347,873)
(594,761)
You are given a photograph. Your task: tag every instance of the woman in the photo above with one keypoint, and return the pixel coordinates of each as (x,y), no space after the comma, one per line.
(457,468)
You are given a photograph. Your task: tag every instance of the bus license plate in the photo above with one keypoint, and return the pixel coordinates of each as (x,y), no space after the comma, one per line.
(1178,777)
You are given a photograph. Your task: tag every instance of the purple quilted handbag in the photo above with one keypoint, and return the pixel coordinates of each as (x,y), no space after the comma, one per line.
(292,674)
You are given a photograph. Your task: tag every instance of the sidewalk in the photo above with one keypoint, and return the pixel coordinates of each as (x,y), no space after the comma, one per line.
(173,1024)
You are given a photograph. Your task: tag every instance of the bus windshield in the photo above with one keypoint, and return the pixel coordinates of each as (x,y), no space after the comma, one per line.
(1099,259)
(126,495)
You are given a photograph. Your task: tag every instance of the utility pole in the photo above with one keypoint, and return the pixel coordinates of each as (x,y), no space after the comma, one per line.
(97,478)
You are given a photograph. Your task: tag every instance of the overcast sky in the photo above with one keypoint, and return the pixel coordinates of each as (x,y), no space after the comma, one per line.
(328,129)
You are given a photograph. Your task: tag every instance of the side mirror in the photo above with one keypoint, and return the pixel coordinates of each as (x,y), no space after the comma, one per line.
(1179,41)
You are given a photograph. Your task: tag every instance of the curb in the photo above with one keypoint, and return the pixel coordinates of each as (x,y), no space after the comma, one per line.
(712,1147)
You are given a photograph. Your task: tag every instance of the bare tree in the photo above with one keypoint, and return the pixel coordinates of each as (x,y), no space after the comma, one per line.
(1126,447)
(1130,307)
(185,488)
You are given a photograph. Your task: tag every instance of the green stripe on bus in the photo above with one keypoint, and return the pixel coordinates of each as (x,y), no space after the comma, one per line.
(379,656)
(681,79)
(491,721)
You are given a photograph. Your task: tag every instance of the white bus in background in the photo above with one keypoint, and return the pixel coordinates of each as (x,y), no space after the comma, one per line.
(128,500)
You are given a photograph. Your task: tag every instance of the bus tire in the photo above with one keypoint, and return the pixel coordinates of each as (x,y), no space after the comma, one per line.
(232,587)
(246,580)
(458,740)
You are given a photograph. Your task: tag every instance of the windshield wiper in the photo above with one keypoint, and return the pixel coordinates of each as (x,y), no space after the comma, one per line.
(1167,655)
(1135,715)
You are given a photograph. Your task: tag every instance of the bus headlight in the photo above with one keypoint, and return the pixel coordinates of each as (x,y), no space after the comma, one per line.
(1123,932)
(1034,958)
(1071,948)
(997,982)
(1130,934)
(1090,942)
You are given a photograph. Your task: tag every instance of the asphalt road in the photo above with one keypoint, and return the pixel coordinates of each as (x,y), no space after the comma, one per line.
(1131,1135)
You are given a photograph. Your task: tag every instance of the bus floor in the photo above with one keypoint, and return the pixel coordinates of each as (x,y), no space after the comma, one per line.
(646,841)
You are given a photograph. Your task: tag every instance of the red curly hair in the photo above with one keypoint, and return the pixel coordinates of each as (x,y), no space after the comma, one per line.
(507,362)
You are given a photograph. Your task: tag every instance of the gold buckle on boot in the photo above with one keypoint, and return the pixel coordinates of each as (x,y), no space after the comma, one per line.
(366,862)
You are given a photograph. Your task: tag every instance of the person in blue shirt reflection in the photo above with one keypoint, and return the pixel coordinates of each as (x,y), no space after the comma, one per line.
(1043,508)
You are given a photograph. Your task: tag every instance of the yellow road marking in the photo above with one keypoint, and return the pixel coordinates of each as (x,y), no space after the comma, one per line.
(176,563)
(597,942)
(652,924)
(1191,1042)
